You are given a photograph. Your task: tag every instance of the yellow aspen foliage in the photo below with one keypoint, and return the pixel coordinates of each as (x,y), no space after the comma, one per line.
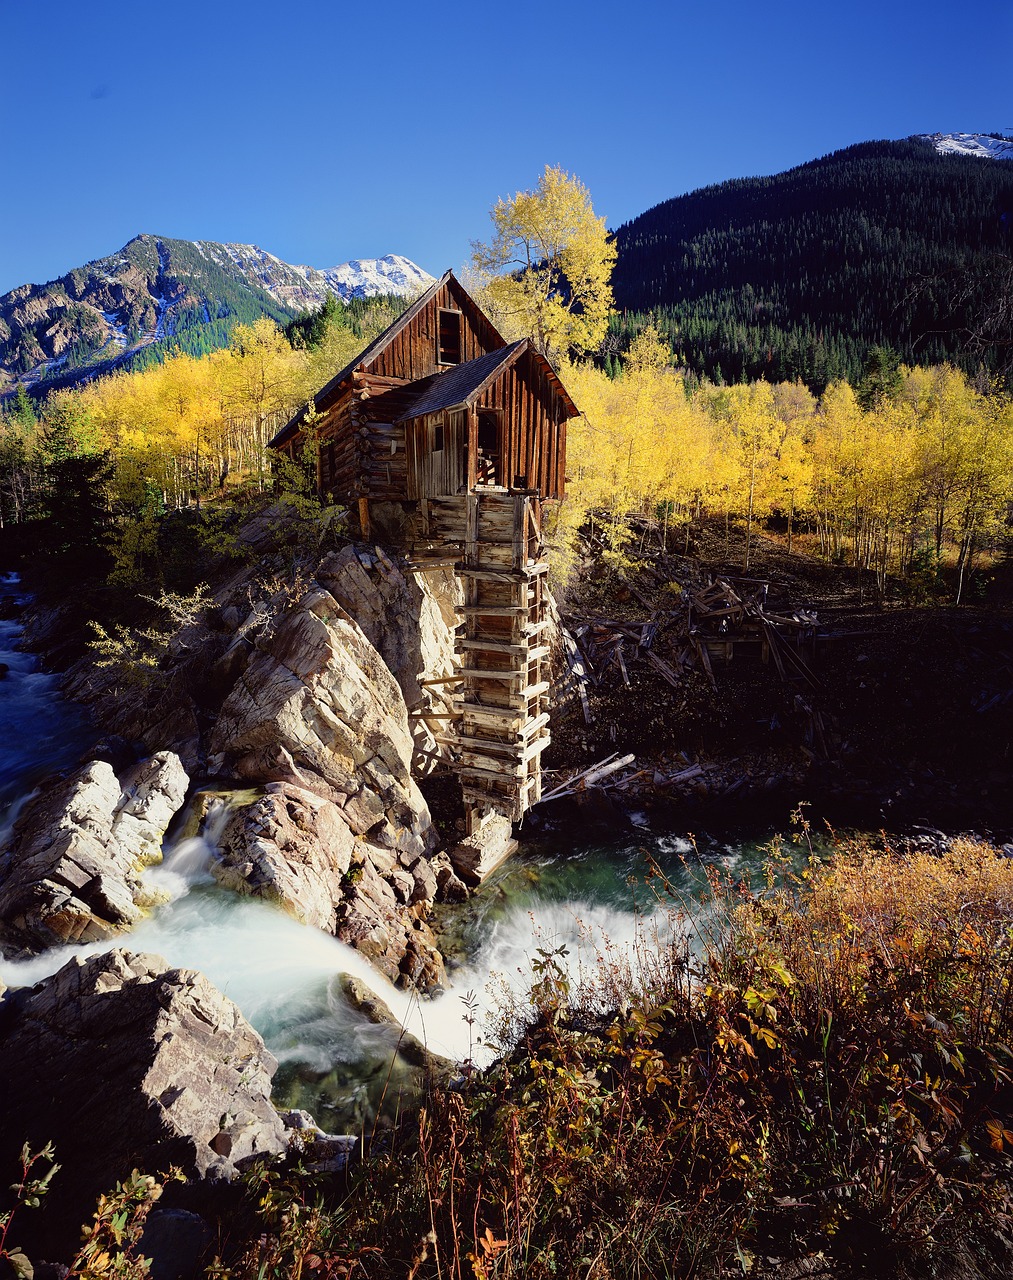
(547,269)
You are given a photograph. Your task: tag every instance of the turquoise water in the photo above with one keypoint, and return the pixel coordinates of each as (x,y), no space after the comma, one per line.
(579,895)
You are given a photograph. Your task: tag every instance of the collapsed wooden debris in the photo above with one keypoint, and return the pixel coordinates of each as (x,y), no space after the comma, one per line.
(593,776)
(690,628)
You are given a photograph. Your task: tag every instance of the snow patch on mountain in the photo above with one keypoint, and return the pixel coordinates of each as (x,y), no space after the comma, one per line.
(301,288)
(971,144)
(369,277)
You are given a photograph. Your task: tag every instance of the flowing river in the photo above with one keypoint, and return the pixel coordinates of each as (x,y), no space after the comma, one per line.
(287,978)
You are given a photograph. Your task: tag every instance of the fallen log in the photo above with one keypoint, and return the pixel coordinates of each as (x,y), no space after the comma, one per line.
(589,777)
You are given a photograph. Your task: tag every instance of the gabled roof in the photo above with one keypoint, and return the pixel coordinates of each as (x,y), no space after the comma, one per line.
(461,386)
(458,386)
(363,360)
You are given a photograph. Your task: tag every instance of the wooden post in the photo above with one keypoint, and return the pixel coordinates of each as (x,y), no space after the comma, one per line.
(364,518)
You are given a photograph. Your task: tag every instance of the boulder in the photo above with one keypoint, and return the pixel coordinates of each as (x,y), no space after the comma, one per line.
(152,793)
(478,855)
(291,847)
(124,1063)
(410,1047)
(378,918)
(71,869)
(318,707)
(409,618)
(294,847)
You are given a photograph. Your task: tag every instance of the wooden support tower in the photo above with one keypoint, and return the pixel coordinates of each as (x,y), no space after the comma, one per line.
(501,704)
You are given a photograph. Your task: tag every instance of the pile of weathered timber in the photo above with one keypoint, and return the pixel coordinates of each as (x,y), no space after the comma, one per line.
(685,628)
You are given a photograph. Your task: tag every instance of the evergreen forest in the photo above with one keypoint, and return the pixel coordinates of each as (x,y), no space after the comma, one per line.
(798,275)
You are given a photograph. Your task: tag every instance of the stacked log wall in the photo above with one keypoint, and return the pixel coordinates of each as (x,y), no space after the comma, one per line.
(501,704)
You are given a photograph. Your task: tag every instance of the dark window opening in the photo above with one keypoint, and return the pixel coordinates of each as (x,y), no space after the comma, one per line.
(487,470)
(438,438)
(451,337)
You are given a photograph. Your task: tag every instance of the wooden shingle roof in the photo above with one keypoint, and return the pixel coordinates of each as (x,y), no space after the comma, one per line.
(458,386)
(461,386)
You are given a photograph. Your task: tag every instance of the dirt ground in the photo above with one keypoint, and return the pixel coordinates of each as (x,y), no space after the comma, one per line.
(916,702)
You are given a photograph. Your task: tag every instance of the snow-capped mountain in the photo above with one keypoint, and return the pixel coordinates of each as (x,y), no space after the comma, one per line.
(185,293)
(370,277)
(986,145)
(299,287)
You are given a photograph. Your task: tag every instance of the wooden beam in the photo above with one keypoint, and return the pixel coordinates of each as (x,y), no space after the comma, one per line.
(492,610)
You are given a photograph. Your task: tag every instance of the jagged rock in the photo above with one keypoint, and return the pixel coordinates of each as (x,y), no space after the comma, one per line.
(449,886)
(153,792)
(318,707)
(291,847)
(127,1063)
(368,1003)
(479,854)
(71,870)
(377,921)
(294,847)
(409,619)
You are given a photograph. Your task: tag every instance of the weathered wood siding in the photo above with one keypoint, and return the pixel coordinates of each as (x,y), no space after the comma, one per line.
(413,352)
(433,471)
(533,429)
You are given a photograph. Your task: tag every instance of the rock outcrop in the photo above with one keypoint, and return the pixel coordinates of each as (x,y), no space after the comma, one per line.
(303,683)
(408,618)
(318,707)
(295,848)
(291,847)
(71,870)
(127,1063)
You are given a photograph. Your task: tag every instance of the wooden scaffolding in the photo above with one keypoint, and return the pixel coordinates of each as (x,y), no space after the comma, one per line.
(501,712)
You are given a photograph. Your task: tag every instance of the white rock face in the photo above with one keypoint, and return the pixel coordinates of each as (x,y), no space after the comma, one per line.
(71,869)
(152,794)
(317,706)
(291,847)
(983,145)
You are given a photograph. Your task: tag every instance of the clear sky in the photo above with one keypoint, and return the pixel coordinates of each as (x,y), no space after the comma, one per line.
(323,130)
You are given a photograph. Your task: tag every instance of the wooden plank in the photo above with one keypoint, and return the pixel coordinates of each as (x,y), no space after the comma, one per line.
(472,762)
(534,726)
(492,610)
(481,712)
(502,646)
(506,576)
(490,673)
(471,530)
(512,749)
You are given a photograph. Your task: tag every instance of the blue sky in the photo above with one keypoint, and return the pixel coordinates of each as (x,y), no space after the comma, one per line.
(327,131)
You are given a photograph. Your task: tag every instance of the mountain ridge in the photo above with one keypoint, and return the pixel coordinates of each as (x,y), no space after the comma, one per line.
(799,274)
(158,292)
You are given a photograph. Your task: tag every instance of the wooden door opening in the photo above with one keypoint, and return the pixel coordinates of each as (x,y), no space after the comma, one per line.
(488,469)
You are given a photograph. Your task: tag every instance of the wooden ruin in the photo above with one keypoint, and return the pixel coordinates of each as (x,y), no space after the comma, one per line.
(449,440)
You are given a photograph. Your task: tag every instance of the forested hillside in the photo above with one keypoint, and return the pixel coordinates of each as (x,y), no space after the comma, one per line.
(158,295)
(797,275)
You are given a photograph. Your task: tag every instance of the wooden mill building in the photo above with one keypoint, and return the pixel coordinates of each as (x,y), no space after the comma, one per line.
(442,428)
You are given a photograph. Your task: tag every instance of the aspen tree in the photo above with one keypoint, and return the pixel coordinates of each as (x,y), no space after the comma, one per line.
(547,269)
